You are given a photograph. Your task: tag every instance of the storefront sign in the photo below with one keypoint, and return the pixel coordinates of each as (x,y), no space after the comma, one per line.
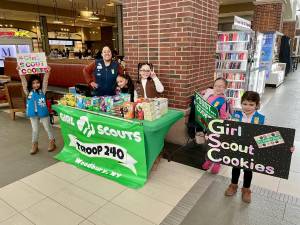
(241,23)
(32,63)
(14,34)
(204,111)
(260,148)
(106,146)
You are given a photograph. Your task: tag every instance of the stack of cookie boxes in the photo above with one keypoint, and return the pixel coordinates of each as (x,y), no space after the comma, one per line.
(155,108)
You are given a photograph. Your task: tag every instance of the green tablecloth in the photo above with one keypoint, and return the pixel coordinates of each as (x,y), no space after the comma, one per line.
(155,133)
(119,149)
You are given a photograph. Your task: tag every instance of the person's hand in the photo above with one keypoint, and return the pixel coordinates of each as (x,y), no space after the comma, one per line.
(292,149)
(153,74)
(94,85)
(19,71)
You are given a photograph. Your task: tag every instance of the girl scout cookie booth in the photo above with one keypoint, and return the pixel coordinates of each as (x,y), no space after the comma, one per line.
(116,148)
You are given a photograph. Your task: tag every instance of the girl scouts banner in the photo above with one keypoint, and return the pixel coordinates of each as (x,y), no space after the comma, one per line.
(260,148)
(32,63)
(204,111)
(106,146)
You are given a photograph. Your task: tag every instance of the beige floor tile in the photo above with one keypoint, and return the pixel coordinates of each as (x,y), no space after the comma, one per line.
(17,219)
(20,195)
(66,171)
(143,206)
(178,181)
(86,222)
(107,215)
(45,183)
(290,186)
(6,211)
(265,181)
(225,171)
(49,212)
(100,186)
(81,202)
(162,192)
(180,168)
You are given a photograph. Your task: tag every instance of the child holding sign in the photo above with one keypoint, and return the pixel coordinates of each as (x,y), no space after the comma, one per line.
(216,97)
(250,104)
(36,108)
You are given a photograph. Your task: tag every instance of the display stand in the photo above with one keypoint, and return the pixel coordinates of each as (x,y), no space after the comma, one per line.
(269,58)
(232,63)
(277,74)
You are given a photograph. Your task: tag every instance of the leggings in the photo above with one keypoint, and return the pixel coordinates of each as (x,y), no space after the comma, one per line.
(35,128)
(247,177)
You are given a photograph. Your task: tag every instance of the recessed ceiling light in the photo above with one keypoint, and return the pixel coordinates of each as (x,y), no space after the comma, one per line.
(58,22)
(110,4)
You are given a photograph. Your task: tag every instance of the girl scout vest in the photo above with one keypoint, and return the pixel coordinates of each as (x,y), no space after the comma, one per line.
(36,104)
(106,77)
(257,118)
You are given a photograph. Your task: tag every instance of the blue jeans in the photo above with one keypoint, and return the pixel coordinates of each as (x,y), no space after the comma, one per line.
(35,128)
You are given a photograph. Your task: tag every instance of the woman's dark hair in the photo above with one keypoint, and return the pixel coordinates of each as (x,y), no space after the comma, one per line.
(222,79)
(30,81)
(251,96)
(140,66)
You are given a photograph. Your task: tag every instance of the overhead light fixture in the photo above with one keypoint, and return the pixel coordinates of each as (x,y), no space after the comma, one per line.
(57,21)
(86,13)
(11,25)
(110,4)
(104,19)
(94,17)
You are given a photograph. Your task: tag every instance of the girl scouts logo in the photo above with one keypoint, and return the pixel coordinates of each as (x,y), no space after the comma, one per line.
(99,67)
(112,71)
(42,102)
(85,126)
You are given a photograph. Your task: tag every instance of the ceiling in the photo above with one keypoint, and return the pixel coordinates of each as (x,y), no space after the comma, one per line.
(67,4)
(29,10)
(229,2)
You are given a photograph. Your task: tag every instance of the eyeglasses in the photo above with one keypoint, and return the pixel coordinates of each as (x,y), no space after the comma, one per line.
(146,71)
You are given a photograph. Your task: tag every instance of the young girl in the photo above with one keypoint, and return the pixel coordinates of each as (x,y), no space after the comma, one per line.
(148,85)
(250,104)
(125,85)
(36,108)
(216,97)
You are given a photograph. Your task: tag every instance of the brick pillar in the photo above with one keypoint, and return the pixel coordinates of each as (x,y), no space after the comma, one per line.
(268,17)
(178,37)
(289,29)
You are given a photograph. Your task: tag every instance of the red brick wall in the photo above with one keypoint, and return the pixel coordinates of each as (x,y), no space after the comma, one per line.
(178,37)
(268,17)
(289,28)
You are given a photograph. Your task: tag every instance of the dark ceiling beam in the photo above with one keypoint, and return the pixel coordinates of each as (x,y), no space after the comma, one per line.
(239,7)
(43,10)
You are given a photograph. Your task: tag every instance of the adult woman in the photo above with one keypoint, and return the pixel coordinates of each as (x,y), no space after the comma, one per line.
(101,75)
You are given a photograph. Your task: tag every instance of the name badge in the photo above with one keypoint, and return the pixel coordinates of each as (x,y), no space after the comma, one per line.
(113,71)
(99,66)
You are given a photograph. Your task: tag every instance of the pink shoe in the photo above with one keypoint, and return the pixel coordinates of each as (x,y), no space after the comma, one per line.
(216,168)
(207,164)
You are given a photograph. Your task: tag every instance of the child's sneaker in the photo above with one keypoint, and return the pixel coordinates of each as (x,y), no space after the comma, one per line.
(206,165)
(231,190)
(216,168)
(246,195)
